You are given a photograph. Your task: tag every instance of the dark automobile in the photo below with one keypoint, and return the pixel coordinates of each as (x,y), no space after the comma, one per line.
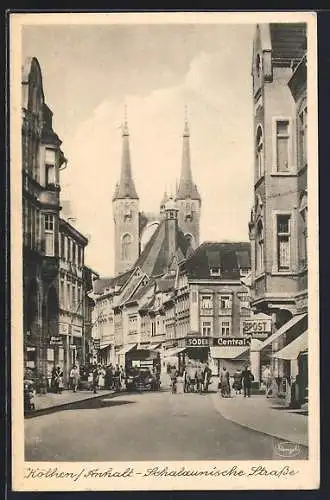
(142,380)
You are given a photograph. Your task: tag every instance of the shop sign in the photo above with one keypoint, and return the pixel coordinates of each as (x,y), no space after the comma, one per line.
(55,341)
(96,343)
(232,342)
(63,329)
(258,326)
(76,331)
(197,342)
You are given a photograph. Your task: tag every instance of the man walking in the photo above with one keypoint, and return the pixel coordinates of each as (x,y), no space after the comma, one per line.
(247,380)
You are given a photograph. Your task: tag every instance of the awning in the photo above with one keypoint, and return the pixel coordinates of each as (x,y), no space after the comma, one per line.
(221,352)
(292,350)
(284,329)
(174,352)
(126,349)
(156,346)
(104,345)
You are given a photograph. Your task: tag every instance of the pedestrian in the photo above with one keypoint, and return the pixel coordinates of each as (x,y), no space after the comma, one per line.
(58,379)
(267,380)
(247,380)
(174,376)
(200,378)
(224,383)
(74,376)
(95,379)
(237,385)
(207,376)
(101,377)
(117,379)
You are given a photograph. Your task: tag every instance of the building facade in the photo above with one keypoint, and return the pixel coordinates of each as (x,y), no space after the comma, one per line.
(55,279)
(278,225)
(42,159)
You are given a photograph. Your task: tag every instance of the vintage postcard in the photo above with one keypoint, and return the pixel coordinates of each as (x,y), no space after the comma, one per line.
(164,232)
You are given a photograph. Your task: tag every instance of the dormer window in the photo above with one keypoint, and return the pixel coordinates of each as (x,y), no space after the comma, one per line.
(215,271)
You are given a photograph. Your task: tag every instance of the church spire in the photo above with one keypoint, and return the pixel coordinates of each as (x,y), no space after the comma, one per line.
(187,188)
(125,188)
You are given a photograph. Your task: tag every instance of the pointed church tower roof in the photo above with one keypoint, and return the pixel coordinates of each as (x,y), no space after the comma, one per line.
(125,188)
(187,188)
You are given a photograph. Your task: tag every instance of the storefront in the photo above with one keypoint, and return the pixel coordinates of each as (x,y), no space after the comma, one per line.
(276,351)
(230,352)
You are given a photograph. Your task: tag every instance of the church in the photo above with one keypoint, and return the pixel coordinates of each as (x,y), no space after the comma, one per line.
(151,241)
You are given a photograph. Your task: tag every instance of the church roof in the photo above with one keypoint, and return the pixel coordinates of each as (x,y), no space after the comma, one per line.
(228,256)
(155,258)
(126,187)
(187,188)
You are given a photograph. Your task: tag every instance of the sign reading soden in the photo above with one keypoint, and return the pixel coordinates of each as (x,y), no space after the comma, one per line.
(197,342)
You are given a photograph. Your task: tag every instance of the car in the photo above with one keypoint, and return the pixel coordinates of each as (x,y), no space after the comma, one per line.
(141,380)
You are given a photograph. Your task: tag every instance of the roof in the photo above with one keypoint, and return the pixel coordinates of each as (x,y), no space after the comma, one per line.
(165,284)
(226,255)
(101,284)
(288,42)
(187,189)
(155,258)
(126,186)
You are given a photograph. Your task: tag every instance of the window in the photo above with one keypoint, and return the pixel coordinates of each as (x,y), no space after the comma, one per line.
(79,256)
(215,271)
(132,324)
(68,296)
(302,135)
(207,302)
(49,235)
(225,303)
(243,271)
(126,248)
(225,328)
(50,164)
(260,153)
(303,232)
(244,304)
(68,244)
(282,145)
(62,254)
(283,242)
(62,293)
(260,246)
(206,328)
(73,252)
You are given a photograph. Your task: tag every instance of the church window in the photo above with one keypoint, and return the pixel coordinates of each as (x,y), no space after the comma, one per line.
(126,246)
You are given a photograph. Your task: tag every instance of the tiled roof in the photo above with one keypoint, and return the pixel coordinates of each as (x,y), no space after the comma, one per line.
(227,255)
(101,284)
(288,41)
(165,284)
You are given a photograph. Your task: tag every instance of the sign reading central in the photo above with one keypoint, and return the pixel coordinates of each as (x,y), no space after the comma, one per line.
(220,341)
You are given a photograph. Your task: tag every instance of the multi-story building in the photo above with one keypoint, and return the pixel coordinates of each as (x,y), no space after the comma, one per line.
(278,226)
(42,159)
(72,349)
(55,280)
(211,303)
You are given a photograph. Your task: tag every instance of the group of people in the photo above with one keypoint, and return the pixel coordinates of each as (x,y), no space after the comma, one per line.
(242,379)
(107,377)
(195,376)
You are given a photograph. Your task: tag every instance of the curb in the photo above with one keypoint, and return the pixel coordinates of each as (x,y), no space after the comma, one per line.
(54,408)
(248,426)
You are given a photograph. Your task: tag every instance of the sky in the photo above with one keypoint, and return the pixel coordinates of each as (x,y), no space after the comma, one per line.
(90,73)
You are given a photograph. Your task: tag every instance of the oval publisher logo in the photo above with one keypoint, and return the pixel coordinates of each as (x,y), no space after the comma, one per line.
(287,449)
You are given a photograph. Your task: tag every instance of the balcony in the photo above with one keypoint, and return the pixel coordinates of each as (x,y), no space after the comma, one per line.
(50,197)
(225,311)
(206,311)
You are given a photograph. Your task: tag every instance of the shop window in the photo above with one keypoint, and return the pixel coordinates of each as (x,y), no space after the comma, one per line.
(283,242)
(49,235)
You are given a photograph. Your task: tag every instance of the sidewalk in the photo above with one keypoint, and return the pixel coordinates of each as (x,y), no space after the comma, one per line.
(50,400)
(264,415)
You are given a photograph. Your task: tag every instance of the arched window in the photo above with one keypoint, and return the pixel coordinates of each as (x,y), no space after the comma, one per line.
(126,246)
(260,246)
(260,153)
